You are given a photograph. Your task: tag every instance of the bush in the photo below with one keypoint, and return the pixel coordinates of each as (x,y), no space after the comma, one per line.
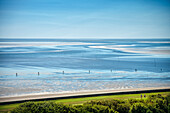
(152,97)
(110,103)
(43,107)
(123,108)
(96,109)
(138,108)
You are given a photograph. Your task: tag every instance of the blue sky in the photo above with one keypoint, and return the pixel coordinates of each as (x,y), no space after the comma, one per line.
(85,19)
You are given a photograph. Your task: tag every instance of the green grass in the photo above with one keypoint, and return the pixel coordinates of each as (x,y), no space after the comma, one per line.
(4,108)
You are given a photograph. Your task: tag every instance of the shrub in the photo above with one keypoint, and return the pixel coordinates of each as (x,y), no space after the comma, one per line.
(123,108)
(132,101)
(153,109)
(138,108)
(43,107)
(152,97)
(110,103)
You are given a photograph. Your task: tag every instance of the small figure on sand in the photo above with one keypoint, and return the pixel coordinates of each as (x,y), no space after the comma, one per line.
(144,96)
(141,96)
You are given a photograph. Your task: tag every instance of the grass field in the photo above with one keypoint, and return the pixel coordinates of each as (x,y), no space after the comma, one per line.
(4,108)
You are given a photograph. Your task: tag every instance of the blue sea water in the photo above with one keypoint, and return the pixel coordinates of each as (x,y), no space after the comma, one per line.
(66,65)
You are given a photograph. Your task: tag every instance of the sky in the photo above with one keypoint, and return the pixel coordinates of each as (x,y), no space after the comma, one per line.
(85,19)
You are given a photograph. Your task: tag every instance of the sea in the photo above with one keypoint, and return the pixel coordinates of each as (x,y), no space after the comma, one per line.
(45,66)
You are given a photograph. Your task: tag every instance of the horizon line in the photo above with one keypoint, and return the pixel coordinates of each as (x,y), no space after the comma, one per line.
(84,38)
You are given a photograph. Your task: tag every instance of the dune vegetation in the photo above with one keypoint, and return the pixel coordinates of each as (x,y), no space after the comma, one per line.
(155,103)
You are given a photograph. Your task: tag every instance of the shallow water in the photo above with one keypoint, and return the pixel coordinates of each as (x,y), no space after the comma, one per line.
(87,65)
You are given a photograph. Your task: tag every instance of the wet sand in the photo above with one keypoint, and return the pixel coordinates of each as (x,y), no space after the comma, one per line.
(16,99)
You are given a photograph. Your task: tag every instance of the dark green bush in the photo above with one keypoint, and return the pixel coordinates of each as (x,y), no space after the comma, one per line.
(109,103)
(138,108)
(44,107)
(123,108)
(96,109)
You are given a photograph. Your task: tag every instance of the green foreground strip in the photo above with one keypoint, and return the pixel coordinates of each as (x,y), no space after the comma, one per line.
(5,108)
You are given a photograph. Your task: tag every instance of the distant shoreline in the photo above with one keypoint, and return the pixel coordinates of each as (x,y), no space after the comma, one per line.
(41,97)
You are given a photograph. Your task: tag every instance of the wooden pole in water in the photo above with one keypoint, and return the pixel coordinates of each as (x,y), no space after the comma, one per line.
(154,62)
(38,73)
(111,70)
(16,74)
(63,72)
(89,71)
